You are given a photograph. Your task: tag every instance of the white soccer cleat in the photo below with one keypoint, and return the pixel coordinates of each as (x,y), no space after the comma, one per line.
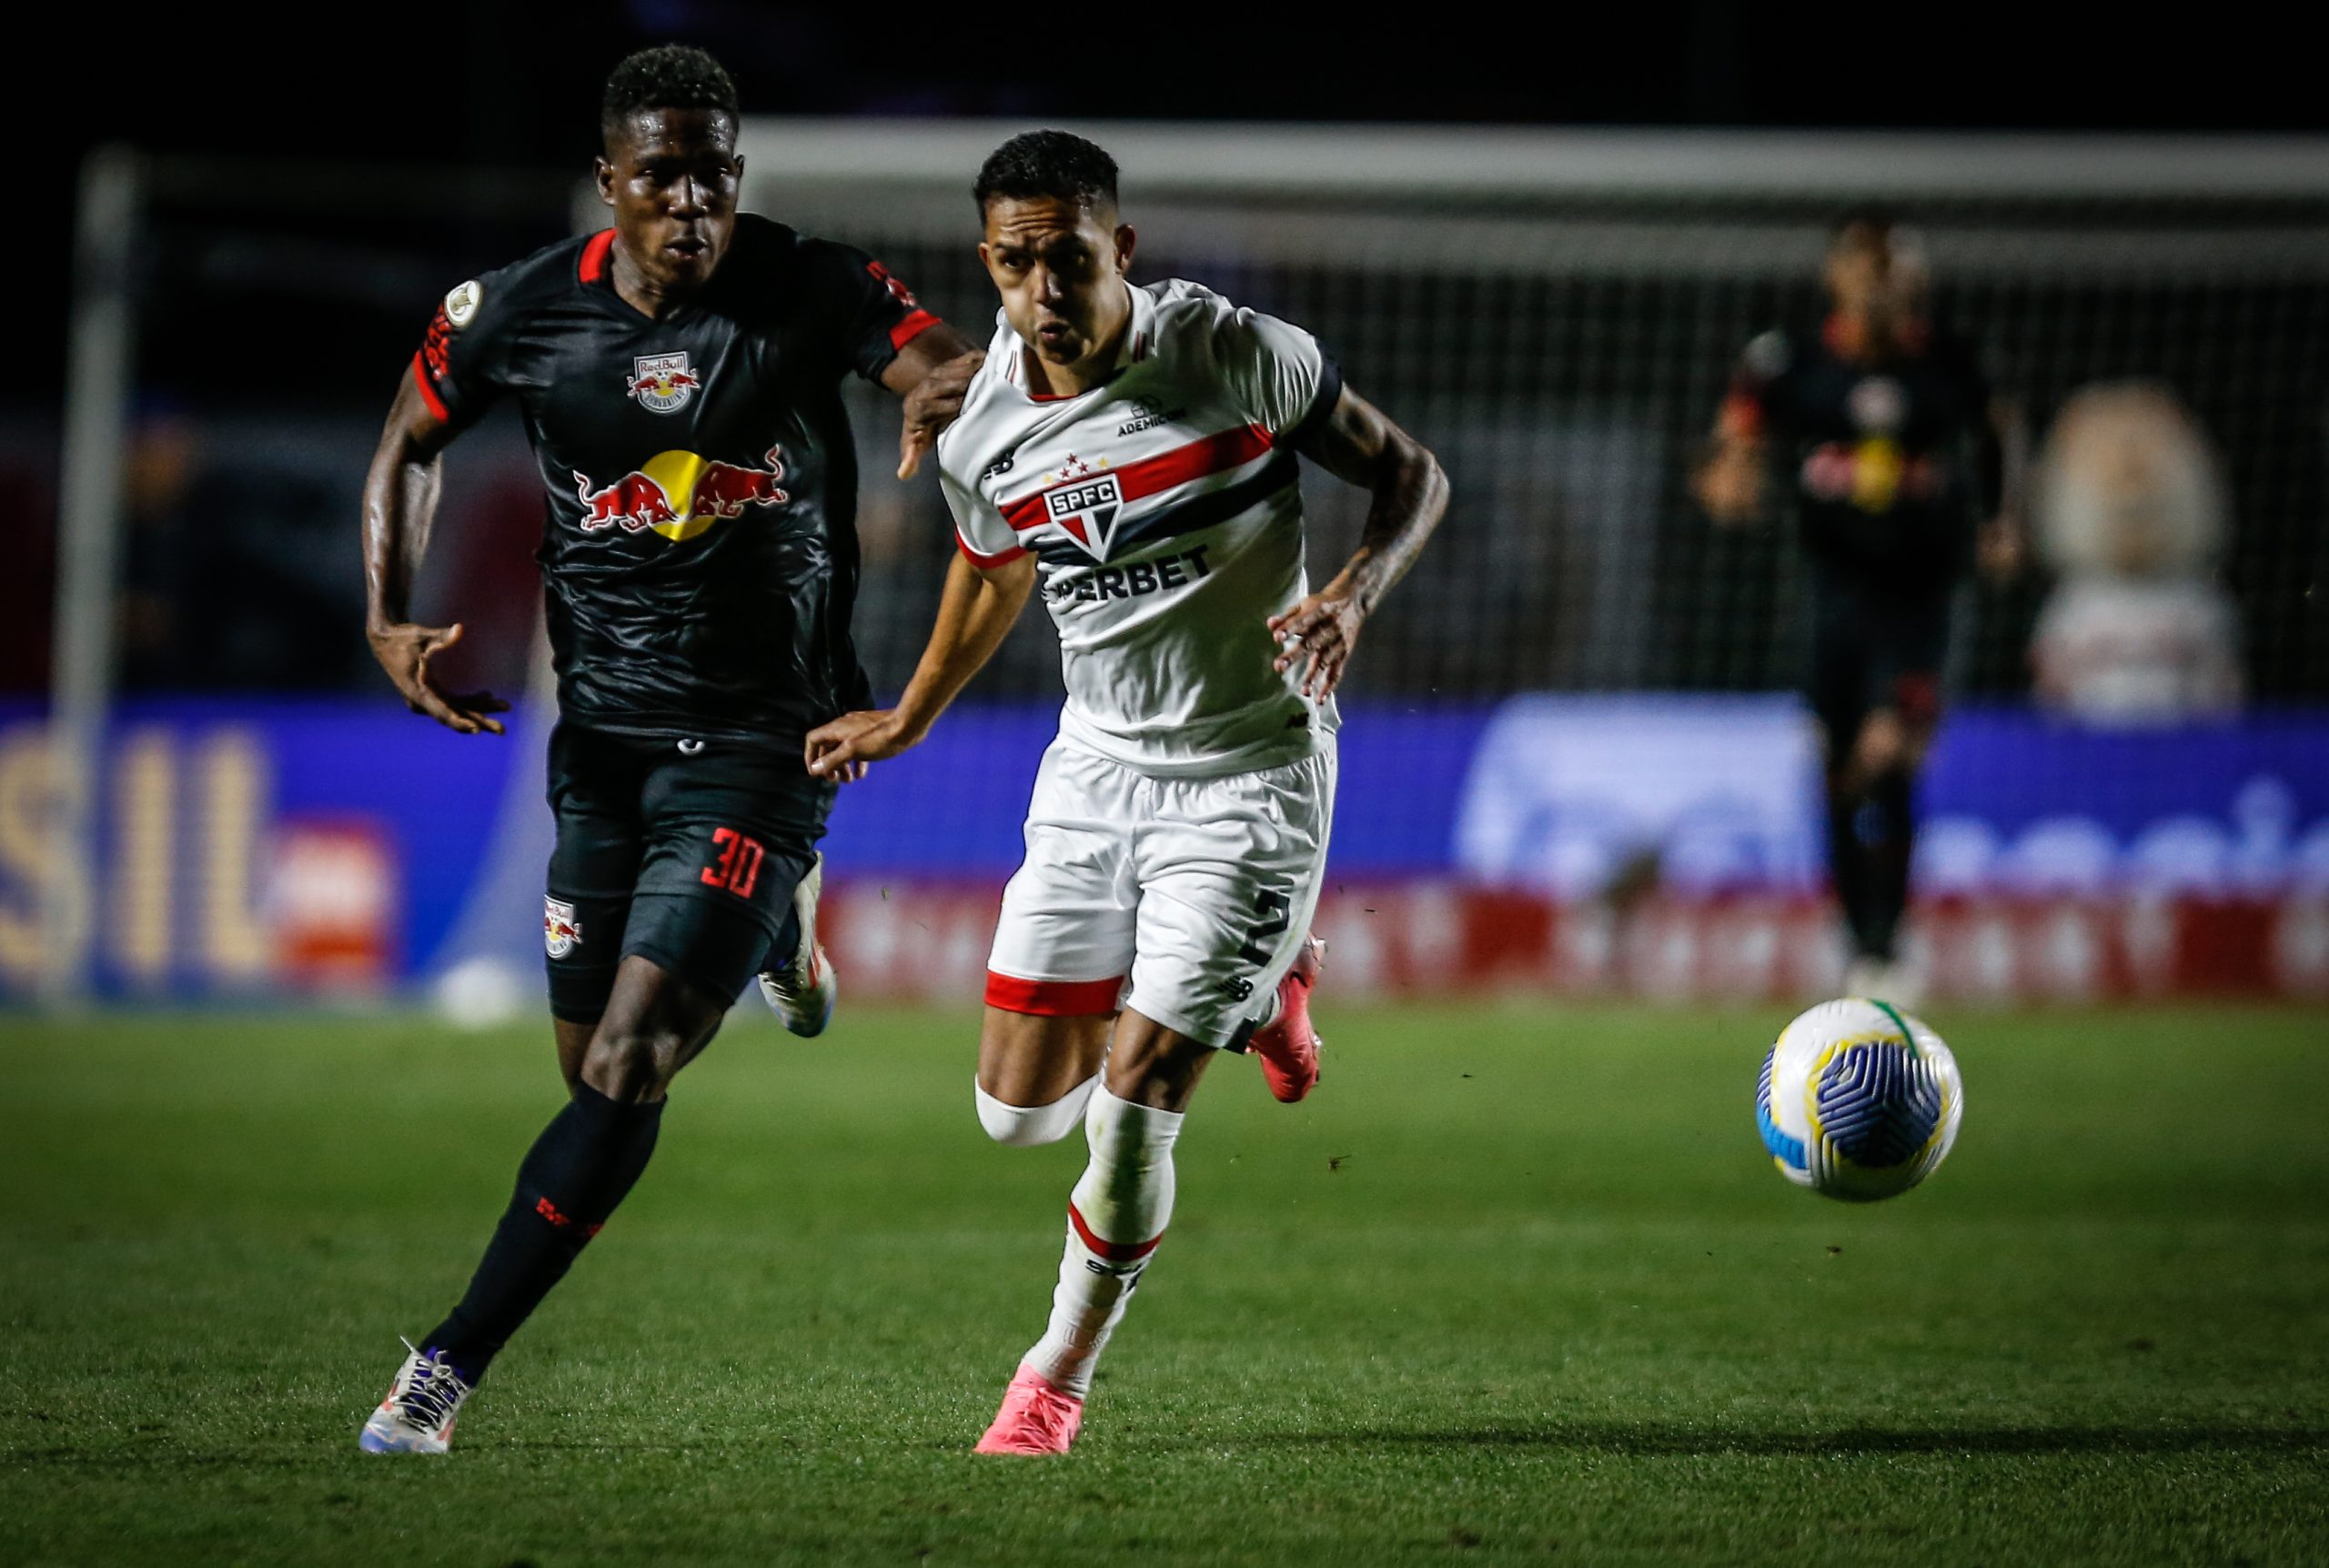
(803,993)
(1884,980)
(417,1416)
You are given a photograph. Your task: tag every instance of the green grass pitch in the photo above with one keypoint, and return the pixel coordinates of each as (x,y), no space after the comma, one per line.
(1516,1285)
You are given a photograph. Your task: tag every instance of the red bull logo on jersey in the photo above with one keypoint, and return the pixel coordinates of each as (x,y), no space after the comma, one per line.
(680,494)
(663,382)
(1087,510)
(1874,474)
(561,932)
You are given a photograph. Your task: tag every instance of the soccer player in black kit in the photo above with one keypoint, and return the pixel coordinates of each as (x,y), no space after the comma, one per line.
(1898,457)
(679,377)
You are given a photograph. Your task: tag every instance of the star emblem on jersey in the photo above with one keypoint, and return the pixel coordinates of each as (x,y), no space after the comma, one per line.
(663,382)
(679,494)
(1087,510)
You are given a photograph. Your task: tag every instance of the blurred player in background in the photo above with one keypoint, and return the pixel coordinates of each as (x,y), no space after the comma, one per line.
(678,373)
(1901,465)
(1132,451)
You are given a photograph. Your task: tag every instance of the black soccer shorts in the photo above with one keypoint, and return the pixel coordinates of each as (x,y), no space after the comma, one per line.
(1874,649)
(685,852)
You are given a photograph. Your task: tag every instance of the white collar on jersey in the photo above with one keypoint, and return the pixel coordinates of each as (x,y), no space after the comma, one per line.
(1133,347)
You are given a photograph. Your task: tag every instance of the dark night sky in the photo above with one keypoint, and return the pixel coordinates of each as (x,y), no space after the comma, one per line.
(508,83)
(505,85)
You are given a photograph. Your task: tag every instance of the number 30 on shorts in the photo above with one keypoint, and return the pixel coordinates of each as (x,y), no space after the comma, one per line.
(739,866)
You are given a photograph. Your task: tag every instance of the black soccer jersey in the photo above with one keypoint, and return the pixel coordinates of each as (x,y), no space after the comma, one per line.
(700,557)
(1883,457)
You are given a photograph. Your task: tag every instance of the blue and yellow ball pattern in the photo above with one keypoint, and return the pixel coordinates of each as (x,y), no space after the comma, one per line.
(1857,1101)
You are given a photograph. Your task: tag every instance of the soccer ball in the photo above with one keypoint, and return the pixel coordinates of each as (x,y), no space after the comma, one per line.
(1857,1101)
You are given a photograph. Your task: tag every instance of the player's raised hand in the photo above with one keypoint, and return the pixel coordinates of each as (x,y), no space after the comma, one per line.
(843,749)
(1321,631)
(403,651)
(931,405)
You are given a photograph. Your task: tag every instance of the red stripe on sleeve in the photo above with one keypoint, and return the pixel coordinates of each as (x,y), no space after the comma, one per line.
(1025,513)
(1216,454)
(1115,1252)
(428,393)
(911,328)
(1742,415)
(984,562)
(594,254)
(1052,998)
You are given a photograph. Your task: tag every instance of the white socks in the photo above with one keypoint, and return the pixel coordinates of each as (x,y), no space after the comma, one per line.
(1116,1215)
(1272,1005)
(1024,1126)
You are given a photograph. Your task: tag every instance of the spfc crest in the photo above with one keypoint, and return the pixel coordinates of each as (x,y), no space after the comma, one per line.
(1088,509)
(662,382)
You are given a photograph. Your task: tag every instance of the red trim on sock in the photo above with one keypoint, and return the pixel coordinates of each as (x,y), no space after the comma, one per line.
(1053,999)
(1115,1252)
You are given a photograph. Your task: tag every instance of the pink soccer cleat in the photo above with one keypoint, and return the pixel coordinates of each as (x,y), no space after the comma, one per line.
(1035,1418)
(1288,1047)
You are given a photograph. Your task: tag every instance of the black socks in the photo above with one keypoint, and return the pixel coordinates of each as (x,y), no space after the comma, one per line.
(1871,837)
(578,1171)
(786,943)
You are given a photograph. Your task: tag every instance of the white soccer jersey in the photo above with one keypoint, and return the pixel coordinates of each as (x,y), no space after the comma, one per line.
(1163,510)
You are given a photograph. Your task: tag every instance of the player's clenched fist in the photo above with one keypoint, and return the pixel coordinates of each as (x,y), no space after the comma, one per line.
(841,749)
(404,651)
(931,405)
(1320,632)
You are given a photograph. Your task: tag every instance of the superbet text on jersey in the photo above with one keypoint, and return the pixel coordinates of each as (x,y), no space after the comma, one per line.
(1162,511)
(700,557)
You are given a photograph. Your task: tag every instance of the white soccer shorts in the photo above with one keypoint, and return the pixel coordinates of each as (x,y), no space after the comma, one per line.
(1197,892)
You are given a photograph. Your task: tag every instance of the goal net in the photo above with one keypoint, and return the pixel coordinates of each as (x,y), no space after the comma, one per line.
(1572,762)
(1556,315)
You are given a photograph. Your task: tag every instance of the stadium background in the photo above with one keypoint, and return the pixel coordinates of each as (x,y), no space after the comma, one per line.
(1518,1284)
(1567,768)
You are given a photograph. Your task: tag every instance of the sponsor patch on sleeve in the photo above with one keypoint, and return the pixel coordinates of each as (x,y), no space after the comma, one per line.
(460,306)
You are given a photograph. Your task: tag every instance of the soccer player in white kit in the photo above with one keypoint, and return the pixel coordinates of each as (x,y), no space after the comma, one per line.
(1133,449)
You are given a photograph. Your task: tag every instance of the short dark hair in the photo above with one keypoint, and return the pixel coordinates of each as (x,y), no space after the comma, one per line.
(1880,219)
(667,77)
(1055,164)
